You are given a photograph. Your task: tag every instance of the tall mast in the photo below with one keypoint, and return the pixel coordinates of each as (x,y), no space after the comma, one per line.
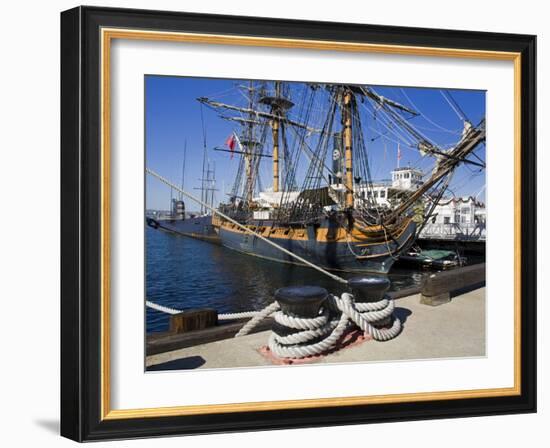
(275,131)
(249,148)
(347,136)
(279,106)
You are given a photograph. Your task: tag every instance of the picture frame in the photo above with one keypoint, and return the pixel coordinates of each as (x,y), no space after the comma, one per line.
(86,36)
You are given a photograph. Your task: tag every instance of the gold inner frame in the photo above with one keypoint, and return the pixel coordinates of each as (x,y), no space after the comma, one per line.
(107,35)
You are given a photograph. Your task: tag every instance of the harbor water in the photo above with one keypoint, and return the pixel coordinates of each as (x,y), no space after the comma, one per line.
(185,273)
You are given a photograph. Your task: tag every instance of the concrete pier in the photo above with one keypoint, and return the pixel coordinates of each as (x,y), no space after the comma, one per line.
(455,329)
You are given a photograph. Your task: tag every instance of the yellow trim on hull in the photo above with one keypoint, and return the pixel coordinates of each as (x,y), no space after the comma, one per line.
(322,235)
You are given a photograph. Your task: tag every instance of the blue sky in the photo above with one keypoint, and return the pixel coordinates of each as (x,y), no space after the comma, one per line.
(173,120)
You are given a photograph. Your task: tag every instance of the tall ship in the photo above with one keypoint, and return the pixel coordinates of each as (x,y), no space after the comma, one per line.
(323,204)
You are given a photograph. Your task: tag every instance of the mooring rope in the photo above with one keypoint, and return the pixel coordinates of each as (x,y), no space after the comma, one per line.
(320,334)
(226,316)
(246,229)
(161,308)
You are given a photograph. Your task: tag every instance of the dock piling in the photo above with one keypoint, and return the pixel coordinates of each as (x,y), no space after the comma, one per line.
(191,320)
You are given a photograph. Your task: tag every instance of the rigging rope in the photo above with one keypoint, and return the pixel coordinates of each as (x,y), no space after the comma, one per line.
(454,105)
(457,132)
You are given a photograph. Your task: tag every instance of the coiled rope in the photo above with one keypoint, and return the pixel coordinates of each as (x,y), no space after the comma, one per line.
(322,333)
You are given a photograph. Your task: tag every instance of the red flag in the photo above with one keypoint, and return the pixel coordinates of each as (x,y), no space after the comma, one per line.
(230,142)
(398,154)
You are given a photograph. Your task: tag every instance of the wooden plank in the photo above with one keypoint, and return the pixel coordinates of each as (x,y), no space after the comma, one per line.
(166,341)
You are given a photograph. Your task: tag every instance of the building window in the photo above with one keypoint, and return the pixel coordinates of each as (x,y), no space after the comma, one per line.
(446,220)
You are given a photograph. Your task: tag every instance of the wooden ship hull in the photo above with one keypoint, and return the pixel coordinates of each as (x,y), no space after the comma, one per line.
(330,246)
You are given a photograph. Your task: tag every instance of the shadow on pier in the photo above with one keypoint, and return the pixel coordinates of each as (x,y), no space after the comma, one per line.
(402,314)
(188,363)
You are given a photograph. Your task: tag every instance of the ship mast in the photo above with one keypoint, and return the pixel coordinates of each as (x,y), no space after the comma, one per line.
(348,152)
(275,132)
(279,105)
(249,148)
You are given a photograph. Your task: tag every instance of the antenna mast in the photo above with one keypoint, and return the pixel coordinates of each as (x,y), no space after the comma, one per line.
(203,193)
(183,169)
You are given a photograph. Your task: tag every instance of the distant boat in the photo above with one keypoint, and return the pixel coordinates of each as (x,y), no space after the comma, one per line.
(194,225)
(198,227)
(432,259)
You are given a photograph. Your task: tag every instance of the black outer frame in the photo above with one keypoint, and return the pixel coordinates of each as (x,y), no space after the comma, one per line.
(80,223)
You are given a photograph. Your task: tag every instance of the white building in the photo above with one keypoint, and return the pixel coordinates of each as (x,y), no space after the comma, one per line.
(457,218)
(463,210)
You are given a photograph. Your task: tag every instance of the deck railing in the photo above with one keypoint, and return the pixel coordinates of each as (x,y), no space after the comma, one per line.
(455,231)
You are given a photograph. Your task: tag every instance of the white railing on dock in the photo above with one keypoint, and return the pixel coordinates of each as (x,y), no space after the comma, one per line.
(454,231)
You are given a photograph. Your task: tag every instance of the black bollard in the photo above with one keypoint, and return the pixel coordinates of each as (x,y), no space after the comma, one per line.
(299,301)
(369,289)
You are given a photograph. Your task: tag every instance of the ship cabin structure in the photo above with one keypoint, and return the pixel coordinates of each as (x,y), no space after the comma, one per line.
(406,178)
(388,192)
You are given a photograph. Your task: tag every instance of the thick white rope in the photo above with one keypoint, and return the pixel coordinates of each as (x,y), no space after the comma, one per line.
(233,316)
(246,229)
(303,350)
(305,342)
(161,308)
(226,316)
(318,334)
(268,310)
